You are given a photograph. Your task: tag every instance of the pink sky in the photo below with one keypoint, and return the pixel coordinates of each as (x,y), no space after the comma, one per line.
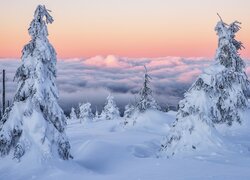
(133,28)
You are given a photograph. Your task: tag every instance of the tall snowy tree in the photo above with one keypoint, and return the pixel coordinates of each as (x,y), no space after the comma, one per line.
(217,96)
(146,99)
(231,83)
(35,123)
(110,111)
(86,114)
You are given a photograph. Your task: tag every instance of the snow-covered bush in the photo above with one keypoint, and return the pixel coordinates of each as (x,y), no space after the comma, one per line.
(96,115)
(35,122)
(86,114)
(130,114)
(110,111)
(217,96)
(129,109)
(72,115)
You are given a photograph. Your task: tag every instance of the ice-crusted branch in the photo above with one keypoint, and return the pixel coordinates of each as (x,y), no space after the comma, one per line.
(41,12)
(219,17)
(38,27)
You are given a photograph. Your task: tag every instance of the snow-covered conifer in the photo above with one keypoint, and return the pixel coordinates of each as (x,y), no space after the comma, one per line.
(128,113)
(110,111)
(96,116)
(72,115)
(129,109)
(85,114)
(146,99)
(217,96)
(35,122)
(231,83)
(193,128)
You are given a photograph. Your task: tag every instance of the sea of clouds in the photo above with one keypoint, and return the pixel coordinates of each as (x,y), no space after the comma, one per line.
(92,79)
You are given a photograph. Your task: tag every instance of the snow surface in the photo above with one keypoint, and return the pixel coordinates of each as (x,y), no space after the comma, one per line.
(108,150)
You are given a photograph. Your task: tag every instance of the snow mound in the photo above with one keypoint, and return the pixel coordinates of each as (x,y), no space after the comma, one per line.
(101,156)
(145,150)
(151,121)
(200,138)
(129,153)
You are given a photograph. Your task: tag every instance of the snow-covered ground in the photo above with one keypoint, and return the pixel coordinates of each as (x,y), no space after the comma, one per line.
(106,150)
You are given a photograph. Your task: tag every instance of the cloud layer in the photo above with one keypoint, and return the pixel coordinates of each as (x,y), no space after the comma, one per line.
(94,78)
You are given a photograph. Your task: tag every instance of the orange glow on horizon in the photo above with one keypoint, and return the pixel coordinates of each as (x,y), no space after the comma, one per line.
(156,29)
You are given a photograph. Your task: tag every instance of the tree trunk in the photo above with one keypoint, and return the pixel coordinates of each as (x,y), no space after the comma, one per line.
(3,91)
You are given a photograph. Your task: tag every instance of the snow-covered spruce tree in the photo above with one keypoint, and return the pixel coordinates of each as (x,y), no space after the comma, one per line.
(128,113)
(231,83)
(72,115)
(217,96)
(146,99)
(193,128)
(110,111)
(86,114)
(35,123)
(96,116)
